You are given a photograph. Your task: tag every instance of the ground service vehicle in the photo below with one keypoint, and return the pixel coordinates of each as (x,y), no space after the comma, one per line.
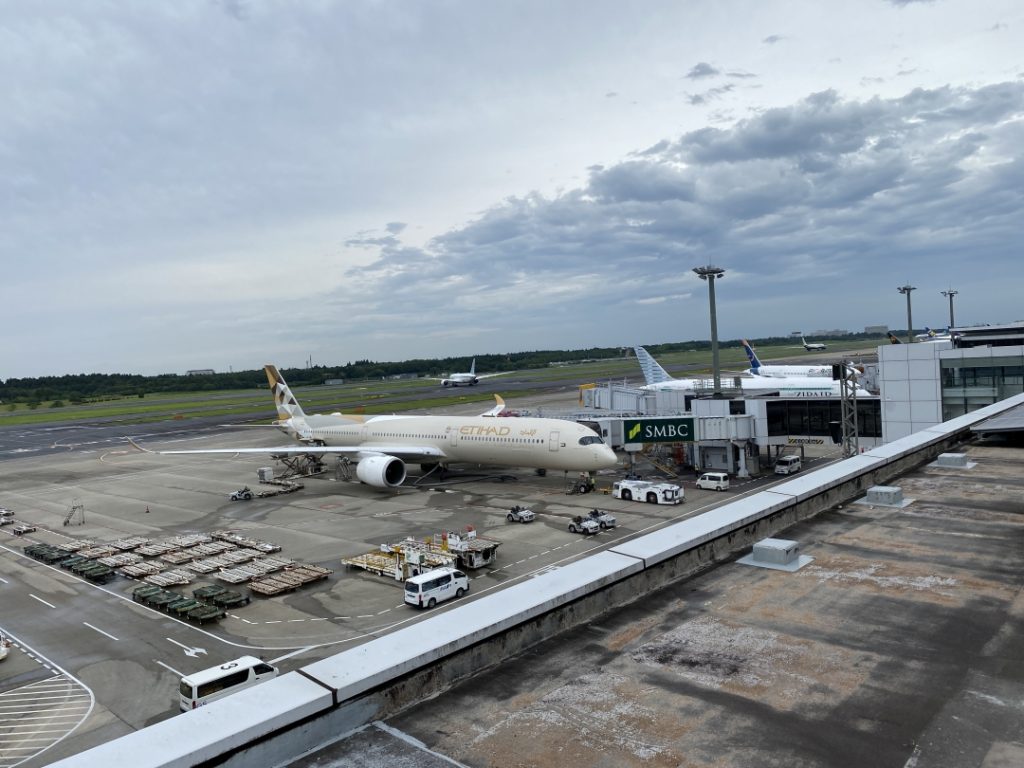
(787,465)
(430,588)
(645,490)
(520,515)
(713,481)
(23,528)
(603,519)
(242,494)
(585,525)
(205,686)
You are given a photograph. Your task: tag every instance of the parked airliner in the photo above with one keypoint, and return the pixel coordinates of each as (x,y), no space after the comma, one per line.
(658,379)
(383,444)
(782,371)
(931,335)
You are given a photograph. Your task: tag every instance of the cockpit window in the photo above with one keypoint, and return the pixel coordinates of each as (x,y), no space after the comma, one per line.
(591,440)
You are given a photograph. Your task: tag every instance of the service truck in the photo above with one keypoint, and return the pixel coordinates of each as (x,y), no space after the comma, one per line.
(603,519)
(646,490)
(584,525)
(520,514)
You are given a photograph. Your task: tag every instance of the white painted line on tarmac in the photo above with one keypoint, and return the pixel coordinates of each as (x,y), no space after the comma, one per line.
(169,668)
(322,618)
(276,621)
(41,600)
(293,653)
(92,701)
(379,613)
(290,621)
(5,581)
(90,626)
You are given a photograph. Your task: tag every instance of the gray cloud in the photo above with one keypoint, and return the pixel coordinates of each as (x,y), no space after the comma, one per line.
(215,182)
(703,69)
(794,202)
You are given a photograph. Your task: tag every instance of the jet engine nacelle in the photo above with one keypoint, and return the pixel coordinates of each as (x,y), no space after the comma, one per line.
(447,382)
(381,471)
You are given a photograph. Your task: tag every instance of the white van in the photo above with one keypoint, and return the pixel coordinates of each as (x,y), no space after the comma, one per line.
(430,588)
(205,686)
(787,465)
(713,481)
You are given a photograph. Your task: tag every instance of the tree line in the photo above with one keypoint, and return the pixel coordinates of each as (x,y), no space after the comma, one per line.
(96,387)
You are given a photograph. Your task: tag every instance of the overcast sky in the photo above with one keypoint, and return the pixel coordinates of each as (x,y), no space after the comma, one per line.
(222,183)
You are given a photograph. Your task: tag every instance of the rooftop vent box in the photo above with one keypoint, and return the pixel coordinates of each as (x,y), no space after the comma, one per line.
(777,554)
(889,495)
(951,460)
(778,551)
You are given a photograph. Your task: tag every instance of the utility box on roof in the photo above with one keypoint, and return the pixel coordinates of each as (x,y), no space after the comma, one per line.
(777,551)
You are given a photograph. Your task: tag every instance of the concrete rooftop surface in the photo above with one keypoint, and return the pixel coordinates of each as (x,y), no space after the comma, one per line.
(901,644)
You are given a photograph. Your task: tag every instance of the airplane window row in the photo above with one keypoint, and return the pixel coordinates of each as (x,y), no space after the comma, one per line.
(503,439)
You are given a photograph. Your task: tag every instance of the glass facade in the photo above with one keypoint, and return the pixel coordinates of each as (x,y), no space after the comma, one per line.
(810,418)
(969,384)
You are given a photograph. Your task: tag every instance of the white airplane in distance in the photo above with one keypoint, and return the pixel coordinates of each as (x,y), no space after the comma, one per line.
(469,379)
(930,335)
(381,445)
(812,346)
(659,380)
(782,371)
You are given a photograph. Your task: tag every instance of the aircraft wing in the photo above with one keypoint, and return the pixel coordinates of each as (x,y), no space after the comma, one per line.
(409,452)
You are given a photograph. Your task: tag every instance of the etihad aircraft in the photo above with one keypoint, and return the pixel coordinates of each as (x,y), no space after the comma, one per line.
(469,379)
(812,346)
(381,445)
(782,371)
(658,379)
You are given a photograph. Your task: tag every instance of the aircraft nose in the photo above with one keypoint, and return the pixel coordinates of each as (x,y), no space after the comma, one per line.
(606,458)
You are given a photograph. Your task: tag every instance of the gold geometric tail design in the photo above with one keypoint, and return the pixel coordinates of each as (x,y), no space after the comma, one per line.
(287,406)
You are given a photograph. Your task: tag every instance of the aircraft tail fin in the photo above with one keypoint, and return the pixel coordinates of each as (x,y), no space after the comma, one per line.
(472,367)
(653,373)
(498,409)
(893,338)
(287,406)
(755,364)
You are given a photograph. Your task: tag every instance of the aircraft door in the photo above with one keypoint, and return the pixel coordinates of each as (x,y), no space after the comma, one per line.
(553,441)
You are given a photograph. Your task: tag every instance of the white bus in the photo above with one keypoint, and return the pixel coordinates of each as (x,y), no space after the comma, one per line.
(204,686)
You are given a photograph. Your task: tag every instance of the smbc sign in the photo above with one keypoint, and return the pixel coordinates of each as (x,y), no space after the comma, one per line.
(658,430)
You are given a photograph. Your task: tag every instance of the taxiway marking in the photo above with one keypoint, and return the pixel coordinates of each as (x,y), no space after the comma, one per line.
(90,626)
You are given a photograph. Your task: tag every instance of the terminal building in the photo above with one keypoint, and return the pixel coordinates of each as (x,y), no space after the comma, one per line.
(925,384)
(919,385)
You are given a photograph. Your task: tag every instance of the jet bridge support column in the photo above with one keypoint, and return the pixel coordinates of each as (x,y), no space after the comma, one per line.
(742,470)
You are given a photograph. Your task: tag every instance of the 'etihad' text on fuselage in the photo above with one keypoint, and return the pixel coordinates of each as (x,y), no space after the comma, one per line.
(497,431)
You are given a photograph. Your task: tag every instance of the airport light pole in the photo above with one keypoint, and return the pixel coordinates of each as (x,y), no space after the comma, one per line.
(906,289)
(950,293)
(709,273)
